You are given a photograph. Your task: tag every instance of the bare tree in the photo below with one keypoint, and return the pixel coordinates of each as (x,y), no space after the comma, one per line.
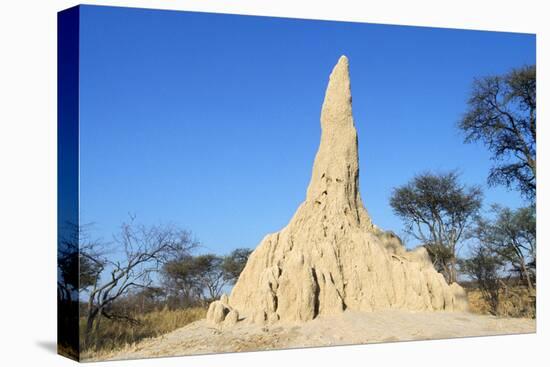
(436,210)
(502,115)
(145,249)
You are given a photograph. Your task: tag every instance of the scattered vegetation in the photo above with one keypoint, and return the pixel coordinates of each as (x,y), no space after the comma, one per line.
(441,212)
(502,262)
(115,334)
(190,280)
(155,285)
(513,301)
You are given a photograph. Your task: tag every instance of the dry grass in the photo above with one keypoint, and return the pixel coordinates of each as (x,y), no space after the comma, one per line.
(516,302)
(115,335)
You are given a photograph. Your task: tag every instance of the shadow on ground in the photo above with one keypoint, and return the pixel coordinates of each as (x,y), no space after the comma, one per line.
(48,345)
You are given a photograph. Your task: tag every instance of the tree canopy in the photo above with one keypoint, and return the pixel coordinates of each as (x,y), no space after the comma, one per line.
(511,236)
(502,115)
(436,209)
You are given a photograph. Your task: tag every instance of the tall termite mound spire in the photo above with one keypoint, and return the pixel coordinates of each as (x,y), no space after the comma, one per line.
(335,177)
(330,257)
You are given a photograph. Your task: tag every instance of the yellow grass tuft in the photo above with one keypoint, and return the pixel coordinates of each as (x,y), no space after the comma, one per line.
(114,335)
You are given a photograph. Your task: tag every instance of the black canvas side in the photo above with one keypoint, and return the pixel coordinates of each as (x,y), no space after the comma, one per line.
(68,189)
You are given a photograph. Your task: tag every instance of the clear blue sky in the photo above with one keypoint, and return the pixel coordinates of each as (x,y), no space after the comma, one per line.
(211,122)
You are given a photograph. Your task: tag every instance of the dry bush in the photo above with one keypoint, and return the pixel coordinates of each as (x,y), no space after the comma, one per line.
(513,302)
(113,335)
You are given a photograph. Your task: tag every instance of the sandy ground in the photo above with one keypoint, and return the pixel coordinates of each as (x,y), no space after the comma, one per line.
(348,328)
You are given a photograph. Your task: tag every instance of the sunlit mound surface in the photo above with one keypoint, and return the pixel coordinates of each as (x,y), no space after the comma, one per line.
(331,257)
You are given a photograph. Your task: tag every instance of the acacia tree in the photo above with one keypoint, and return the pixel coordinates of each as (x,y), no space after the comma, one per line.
(180,282)
(210,276)
(512,235)
(234,263)
(502,115)
(193,279)
(485,266)
(436,210)
(145,249)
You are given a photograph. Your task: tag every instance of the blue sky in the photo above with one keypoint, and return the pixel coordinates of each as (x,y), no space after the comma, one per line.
(211,122)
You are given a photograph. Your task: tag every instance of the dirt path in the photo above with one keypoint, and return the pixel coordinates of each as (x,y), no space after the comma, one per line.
(348,328)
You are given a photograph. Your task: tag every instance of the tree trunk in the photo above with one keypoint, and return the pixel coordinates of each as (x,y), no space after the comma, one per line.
(98,320)
(89,327)
(452,271)
(446,271)
(527,277)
